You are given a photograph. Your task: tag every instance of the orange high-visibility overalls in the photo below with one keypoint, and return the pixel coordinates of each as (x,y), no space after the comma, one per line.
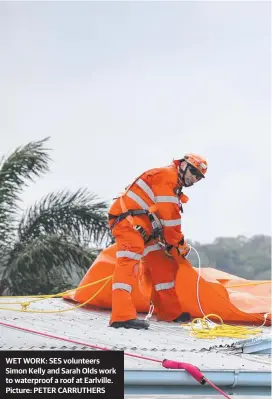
(154,191)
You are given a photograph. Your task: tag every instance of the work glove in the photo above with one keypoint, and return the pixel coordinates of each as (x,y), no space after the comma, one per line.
(183,249)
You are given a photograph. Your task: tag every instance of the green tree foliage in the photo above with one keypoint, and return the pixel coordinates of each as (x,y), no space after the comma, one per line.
(55,238)
(249,258)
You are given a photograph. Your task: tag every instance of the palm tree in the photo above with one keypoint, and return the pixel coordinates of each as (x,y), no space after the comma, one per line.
(53,239)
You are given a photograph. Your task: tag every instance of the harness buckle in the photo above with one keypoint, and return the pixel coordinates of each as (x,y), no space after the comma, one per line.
(141,230)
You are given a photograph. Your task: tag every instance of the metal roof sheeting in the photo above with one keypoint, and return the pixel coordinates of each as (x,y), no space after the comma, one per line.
(162,340)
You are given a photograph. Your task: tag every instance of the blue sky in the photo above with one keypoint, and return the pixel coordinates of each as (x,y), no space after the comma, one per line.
(122,87)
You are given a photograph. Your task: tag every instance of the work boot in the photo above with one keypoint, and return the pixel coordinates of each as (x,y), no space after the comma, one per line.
(133,323)
(184,317)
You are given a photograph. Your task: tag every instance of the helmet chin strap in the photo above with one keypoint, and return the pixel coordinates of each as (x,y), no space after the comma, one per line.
(182,175)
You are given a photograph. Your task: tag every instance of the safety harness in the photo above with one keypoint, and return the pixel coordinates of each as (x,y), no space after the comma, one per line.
(157,228)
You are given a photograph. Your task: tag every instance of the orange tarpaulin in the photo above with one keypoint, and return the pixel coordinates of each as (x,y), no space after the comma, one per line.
(232,298)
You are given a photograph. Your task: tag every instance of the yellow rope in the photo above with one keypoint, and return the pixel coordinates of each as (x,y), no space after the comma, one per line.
(24,305)
(60,293)
(245,284)
(201,329)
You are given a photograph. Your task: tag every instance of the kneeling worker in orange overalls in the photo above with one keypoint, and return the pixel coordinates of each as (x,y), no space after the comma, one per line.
(146,224)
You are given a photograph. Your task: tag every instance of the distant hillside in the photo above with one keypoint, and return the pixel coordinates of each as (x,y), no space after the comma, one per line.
(249,258)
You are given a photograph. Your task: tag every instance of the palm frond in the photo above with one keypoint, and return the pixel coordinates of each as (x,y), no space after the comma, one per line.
(76,214)
(36,262)
(23,164)
(7,231)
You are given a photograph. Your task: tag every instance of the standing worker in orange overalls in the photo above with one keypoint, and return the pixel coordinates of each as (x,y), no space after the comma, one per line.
(146,224)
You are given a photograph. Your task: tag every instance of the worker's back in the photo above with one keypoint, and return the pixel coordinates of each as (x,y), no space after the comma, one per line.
(142,193)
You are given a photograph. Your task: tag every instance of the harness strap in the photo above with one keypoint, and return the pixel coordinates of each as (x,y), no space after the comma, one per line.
(157,227)
(154,220)
(129,217)
(126,215)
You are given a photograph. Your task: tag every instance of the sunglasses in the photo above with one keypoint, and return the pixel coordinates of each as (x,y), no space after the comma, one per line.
(195,172)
